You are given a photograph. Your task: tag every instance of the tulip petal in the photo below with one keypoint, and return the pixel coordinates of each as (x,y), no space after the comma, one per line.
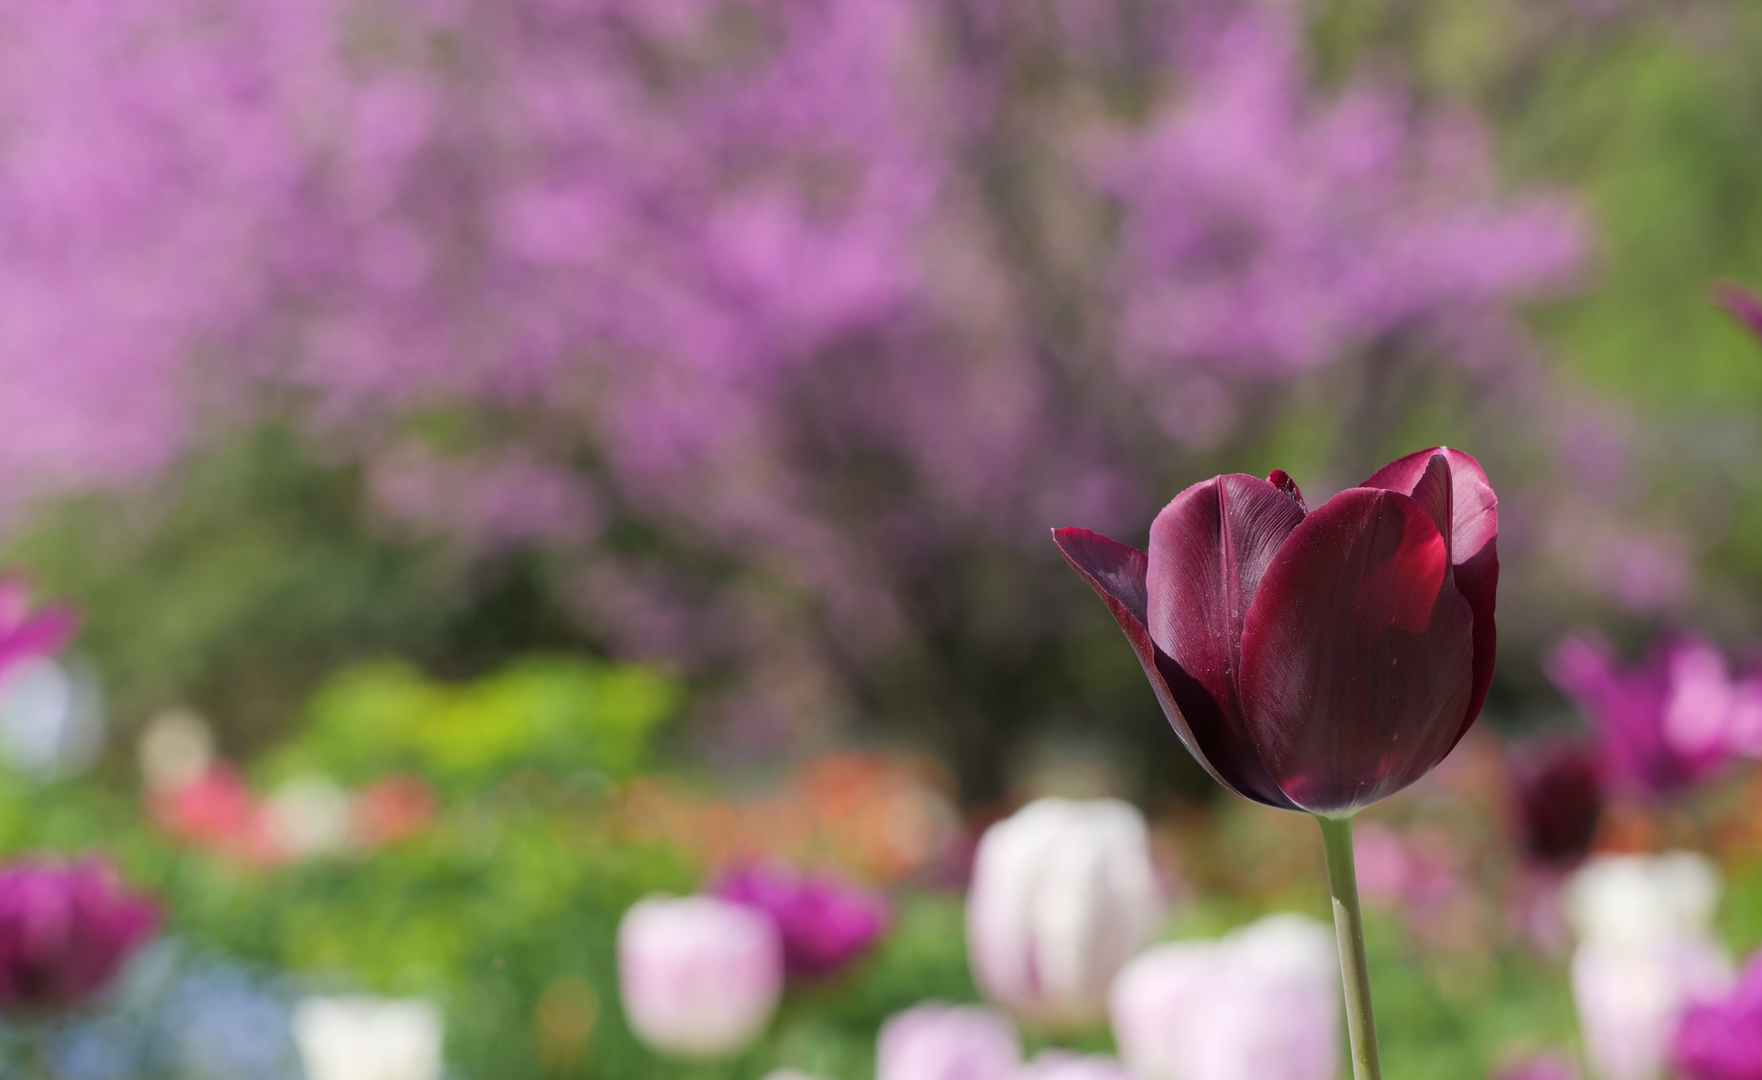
(1349,694)
(1474,550)
(1280,479)
(1475,508)
(1208,550)
(1118,575)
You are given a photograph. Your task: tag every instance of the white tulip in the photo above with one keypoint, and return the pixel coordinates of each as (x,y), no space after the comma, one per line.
(1261,1004)
(364,1038)
(1063,894)
(51,718)
(1646,950)
(309,815)
(700,977)
(176,750)
(936,1041)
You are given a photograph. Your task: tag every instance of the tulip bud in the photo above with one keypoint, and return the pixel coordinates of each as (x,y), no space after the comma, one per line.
(700,977)
(1645,952)
(934,1041)
(1558,791)
(1061,1065)
(65,931)
(364,1038)
(1261,1004)
(1063,894)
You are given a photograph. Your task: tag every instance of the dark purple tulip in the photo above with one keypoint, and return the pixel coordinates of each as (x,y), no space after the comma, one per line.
(825,923)
(1557,786)
(1722,1039)
(65,930)
(1741,304)
(1313,660)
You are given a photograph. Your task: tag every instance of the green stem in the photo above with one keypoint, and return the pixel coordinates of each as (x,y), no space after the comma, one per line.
(1349,928)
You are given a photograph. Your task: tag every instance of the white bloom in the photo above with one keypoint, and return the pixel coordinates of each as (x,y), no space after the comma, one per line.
(1646,950)
(700,977)
(934,1041)
(364,1038)
(1261,1004)
(309,815)
(1063,894)
(176,750)
(51,720)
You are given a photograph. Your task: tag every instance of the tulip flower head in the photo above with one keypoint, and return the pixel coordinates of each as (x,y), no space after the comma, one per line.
(1261,1004)
(1721,1038)
(1557,789)
(1668,723)
(825,923)
(699,976)
(65,931)
(934,1041)
(1646,952)
(365,1038)
(1063,894)
(1314,660)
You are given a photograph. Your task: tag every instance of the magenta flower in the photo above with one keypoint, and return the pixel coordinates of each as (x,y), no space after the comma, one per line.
(1313,660)
(24,634)
(1721,1039)
(1557,791)
(1741,304)
(1669,722)
(65,931)
(825,923)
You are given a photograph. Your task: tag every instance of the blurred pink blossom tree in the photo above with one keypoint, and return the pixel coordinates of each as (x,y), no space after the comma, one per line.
(727,303)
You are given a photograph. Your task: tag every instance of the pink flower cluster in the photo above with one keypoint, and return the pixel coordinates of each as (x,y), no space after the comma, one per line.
(1673,720)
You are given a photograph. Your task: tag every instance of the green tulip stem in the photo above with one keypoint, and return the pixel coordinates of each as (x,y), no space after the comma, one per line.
(1361,1026)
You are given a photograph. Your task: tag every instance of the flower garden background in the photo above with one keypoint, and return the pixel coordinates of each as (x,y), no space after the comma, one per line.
(527,532)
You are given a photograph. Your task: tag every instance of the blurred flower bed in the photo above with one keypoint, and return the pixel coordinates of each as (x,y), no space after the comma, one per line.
(484,878)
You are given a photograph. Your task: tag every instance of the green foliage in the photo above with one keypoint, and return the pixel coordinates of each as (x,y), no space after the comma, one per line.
(558,714)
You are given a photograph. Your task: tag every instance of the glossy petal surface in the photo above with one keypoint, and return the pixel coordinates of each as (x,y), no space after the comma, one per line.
(1209,549)
(1474,549)
(1351,695)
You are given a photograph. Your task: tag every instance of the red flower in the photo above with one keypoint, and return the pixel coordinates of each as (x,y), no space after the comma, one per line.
(1313,660)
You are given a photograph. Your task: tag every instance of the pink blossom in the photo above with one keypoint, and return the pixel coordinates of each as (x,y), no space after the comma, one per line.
(1673,720)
